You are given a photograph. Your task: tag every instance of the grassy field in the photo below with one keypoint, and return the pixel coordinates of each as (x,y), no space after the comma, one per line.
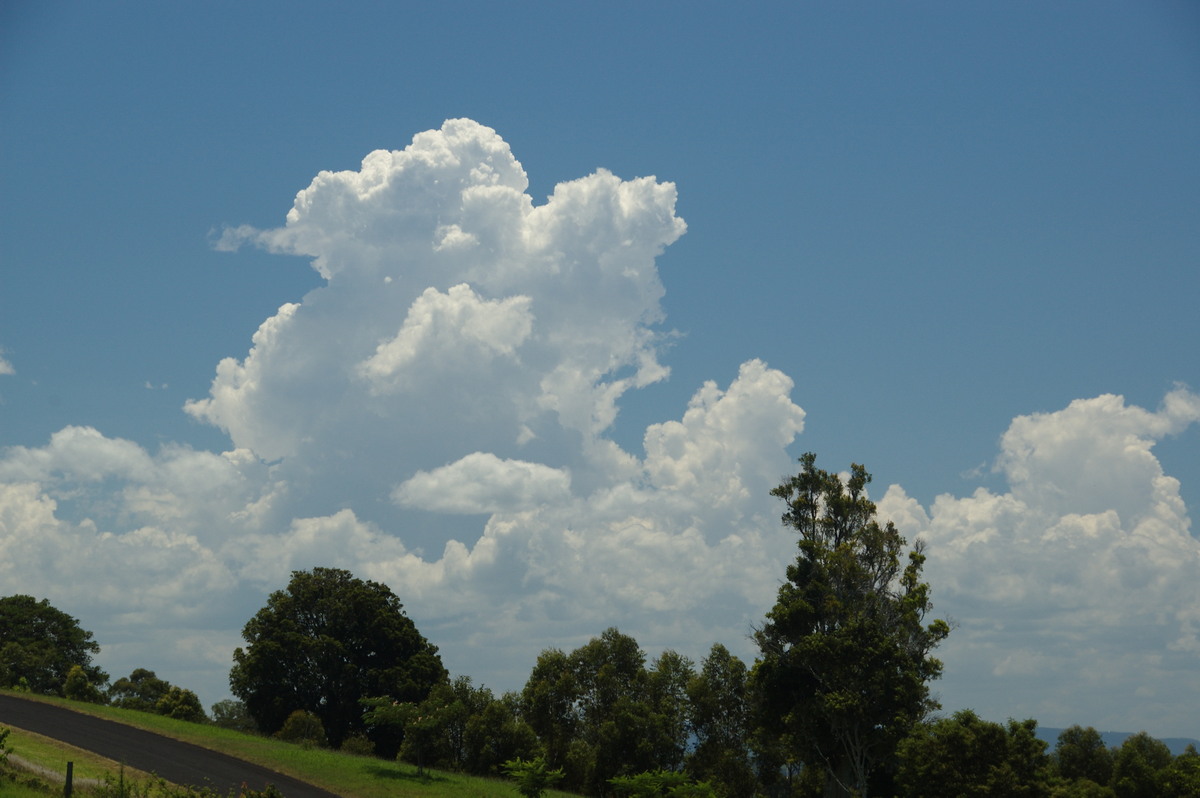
(53,755)
(342,774)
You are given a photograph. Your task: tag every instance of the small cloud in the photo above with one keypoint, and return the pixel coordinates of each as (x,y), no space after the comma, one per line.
(484,483)
(232,239)
(978,472)
(152,387)
(5,366)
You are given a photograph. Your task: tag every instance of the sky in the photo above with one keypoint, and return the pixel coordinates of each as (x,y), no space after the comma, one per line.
(523,309)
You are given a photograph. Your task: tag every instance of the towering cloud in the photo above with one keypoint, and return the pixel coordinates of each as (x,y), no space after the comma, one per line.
(1077,585)
(438,415)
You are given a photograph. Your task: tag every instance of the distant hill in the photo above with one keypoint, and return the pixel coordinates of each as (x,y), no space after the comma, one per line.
(1114,739)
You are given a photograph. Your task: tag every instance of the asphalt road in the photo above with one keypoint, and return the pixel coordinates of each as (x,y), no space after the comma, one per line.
(175,761)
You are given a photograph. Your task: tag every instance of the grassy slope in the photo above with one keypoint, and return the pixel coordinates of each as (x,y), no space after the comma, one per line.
(348,776)
(54,756)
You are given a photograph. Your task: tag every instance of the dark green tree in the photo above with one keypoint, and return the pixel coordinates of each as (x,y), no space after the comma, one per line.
(403,721)
(323,644)
(231,714)
(181,704)
(140,690)
(79,688)
(548,704)
(600,713)
(845,662)
(1139,765)
(1182,777)
(434,730)
(667,696)
(471,730)
(497,734)
(719,720)
(610,678)
(966,755)
(1080,753)
(39,644)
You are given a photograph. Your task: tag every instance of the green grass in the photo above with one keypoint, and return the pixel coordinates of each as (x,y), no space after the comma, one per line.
(342,774)
(54,755)
(16,789)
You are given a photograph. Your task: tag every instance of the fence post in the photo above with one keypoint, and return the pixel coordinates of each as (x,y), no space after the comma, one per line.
(67,783)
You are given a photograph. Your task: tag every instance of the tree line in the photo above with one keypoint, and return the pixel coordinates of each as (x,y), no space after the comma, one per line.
(837,703)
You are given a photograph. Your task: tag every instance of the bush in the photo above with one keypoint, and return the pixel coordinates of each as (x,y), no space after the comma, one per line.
(533,777)
(140,690)
(230,714)
(181,704)
(302,727)
(358,745)
(77,687)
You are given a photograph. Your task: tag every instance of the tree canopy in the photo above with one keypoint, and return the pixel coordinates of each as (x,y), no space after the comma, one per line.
(324,643)
(845,659)
(141,690)
(966,755)
(40,644)
(601,713)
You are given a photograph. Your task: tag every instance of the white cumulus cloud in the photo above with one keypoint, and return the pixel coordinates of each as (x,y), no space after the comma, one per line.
(1079,581)
(483,483)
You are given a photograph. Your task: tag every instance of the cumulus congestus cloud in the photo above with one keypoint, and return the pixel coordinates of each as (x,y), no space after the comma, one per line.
(438,414)
(1079,580)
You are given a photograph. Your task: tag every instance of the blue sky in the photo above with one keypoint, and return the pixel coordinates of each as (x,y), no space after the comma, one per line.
(944,236)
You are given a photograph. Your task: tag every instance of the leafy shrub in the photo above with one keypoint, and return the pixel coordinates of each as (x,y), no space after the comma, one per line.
(181,704)
(533,777)
(655,783)
(230,714)
(78,687)
(302,727)
(358,745)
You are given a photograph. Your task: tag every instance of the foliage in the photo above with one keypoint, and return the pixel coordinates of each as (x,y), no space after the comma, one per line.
(39,644)
(1182,777)
(458,727)
(181,704)
(140,690)
(231,714)
(1139,765)
(965,755)
(718,717)
(1081,754)
(600,713)
(1080,788)
(653,784)
(302,727)
(419,724)
(548,704)
(77,687)
(845,651)
(358,745)
(497,734)
(325,642)
(533,776)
